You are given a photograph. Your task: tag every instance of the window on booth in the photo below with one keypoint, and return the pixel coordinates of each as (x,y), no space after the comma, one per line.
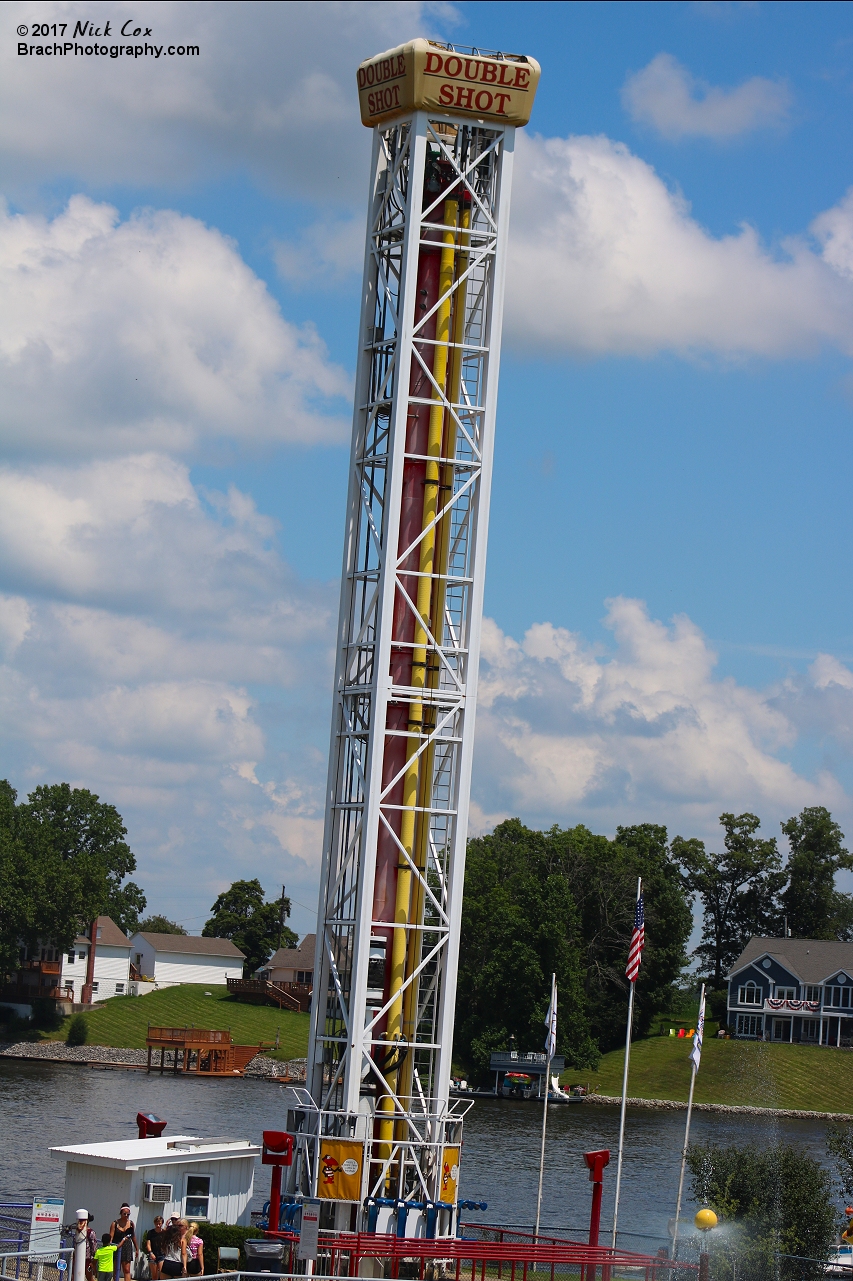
(198,1196)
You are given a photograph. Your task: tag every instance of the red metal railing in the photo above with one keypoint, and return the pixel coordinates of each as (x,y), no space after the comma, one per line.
(341,1254)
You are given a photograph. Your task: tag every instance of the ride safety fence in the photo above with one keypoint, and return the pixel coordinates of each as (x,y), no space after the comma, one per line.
(493,1253)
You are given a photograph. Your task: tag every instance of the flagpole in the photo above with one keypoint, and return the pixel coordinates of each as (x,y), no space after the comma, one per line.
(624,1091)
(694,1058)
(550,1047)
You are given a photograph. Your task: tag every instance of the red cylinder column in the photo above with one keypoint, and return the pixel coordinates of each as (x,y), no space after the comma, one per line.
(596,1161)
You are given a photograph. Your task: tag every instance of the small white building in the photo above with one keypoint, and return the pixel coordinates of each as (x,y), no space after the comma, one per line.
(211,1180)
(168,959)
(112,962)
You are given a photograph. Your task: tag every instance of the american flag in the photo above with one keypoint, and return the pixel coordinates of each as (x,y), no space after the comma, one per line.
(638,942)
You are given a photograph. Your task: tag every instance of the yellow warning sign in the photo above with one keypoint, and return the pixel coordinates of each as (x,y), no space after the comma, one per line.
(449,1175)
(341,1162)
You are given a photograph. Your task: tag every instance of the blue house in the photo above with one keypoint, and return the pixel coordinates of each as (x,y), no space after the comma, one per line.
(793,990)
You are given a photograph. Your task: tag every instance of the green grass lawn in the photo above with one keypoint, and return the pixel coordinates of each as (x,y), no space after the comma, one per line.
(749,1073)
(123,1020)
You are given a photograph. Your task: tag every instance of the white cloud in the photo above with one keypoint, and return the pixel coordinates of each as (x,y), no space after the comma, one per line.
(15,621)
(820,705)
(271,91)
(834,230)
(648,733)
(159,651)
(827,670)
(149,333)
(605,258)
(666,96)
(324,254)
(152,642)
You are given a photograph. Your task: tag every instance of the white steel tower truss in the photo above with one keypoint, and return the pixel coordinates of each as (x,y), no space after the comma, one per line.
(408,647)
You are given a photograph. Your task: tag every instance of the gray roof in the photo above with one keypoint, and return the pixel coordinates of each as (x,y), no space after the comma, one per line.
(812,960)
(191,943)
(300,957)
(109,935)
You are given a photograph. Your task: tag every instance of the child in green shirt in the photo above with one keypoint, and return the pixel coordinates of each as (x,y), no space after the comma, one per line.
(105,1257)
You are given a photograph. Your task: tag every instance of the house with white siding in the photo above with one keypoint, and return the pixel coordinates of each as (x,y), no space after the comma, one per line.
(211,1180)
(112,963)
(168,959)
(44,972)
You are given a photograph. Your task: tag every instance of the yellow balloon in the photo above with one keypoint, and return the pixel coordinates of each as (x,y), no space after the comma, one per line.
(705,1220)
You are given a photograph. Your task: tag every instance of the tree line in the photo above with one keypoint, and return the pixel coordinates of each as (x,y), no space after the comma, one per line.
(535,902)
(64,861)
(563,900)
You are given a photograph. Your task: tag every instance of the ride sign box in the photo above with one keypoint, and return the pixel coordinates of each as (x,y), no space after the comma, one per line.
(309,1232)
(423,75)
(46,1228)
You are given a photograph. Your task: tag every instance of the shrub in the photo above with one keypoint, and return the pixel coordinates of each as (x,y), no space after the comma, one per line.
(778,1201)
(46,1016)
(78,1031)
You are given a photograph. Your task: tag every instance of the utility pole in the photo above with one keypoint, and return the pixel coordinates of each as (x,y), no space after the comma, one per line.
(280,917)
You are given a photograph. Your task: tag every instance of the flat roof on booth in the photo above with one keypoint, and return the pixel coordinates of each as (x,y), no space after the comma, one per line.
(177,1149)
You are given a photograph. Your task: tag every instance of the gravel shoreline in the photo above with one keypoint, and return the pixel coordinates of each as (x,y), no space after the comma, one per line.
(260,1068)
(670,1105)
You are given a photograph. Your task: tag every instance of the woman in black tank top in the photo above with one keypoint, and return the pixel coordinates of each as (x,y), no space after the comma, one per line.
(123,1234)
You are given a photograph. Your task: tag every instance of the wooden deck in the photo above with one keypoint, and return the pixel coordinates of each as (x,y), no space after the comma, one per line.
(199,1051)
(287,996)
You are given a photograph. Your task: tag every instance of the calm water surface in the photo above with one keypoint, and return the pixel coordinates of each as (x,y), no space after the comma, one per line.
(48,1104)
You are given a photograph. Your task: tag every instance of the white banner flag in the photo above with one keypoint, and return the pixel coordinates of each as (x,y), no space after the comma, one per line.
(551,1021)
(696,1052)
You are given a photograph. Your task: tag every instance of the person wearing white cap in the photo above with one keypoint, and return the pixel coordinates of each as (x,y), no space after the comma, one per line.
(83,1228)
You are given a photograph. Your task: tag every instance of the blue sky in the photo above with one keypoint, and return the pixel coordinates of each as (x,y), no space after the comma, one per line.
(668,587)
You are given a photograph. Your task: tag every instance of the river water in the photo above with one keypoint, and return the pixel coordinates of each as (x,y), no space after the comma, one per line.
(48,1104)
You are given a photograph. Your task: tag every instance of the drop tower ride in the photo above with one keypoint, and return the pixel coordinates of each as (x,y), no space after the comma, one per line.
(378,1136)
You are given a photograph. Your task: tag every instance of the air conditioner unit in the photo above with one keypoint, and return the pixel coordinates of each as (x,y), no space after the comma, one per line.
(158,1191)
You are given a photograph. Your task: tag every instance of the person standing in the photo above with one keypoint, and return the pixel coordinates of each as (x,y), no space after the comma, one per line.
(154,1246)
(195,1251)
(123,1234)
(105,1258)
(84,1229)
(174,1262)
